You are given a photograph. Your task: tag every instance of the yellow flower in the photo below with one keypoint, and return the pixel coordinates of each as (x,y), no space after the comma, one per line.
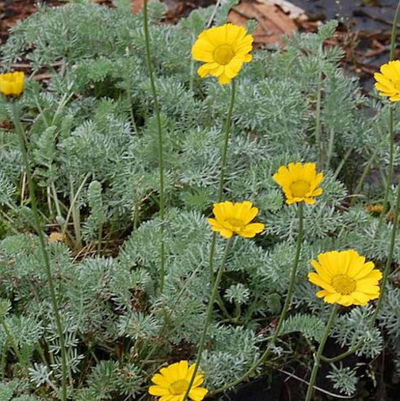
(172,382)
(345,278)
(12,83)
(224,49)
(234,218)
(388,81)
(299,182)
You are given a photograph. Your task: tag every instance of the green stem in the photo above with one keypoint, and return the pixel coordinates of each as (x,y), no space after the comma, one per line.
(208,317)
(390,255)
(390,171)
(317,359)
(24,151)
(76,217)
(160,138)
(57,203)
(12,341)
(342,162)
(367,168)
(318,121)
(73,201)
(99,239)
(222,175)
(283,313)
(330,148)
(391,130)
(225,150)
(394,32)
(338,358)
(384,280)
(293,274)
(390,175)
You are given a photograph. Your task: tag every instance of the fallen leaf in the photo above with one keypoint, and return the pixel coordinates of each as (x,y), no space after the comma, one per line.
(56,237)
(137,6)
(289,9)
(273,22)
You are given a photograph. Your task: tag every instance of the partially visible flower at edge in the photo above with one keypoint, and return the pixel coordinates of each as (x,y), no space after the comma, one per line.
(12,83)
(345,278)
(224,49)
(299,182)
(172,382)
(388,80)
(234,218)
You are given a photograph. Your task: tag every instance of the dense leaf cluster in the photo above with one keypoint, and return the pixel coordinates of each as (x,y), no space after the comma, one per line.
(93,139)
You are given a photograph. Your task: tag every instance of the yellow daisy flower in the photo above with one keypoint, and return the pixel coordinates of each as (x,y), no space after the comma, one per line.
(224,49)
(172,382)
(299,182)
(345,278)
(388,81)
(12,83)
(234,218)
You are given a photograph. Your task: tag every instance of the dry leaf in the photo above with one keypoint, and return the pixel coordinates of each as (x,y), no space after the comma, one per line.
(56,237)
(137,6)
(289,9)
(272,21)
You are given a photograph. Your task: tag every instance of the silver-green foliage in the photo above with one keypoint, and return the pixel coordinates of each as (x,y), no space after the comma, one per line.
(93,140)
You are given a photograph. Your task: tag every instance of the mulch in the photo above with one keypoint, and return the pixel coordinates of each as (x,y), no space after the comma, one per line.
(364,31)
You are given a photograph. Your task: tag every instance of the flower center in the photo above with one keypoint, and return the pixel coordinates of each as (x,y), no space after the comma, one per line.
(343,284)
(178,387)
(236,224)
(300,188)
(223,54)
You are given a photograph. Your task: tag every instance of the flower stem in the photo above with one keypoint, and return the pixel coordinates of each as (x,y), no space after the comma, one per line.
(283,313)
(293,274)
(208,317)
(222,175)
(317,359)
(391,130)
(339,357)
(390,254)
(386,196)
(160,139)
(367,168)
(25,156)
(331,144)
(390,172)
(318,121)
(394,32)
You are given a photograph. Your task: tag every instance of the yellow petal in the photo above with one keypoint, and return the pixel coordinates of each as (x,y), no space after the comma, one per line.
(360,297)
(204,70)
(197,394)
(345,300)
(317,280)
(160,380)
(322,293)
(183,368)
(332,298)
(251,230)
(169,398)
(158,390)
(199,54)
(366,270)
(224,79)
